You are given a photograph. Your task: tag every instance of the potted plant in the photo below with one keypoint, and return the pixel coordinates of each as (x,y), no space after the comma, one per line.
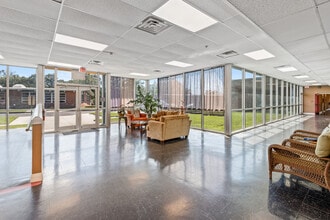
(146,102)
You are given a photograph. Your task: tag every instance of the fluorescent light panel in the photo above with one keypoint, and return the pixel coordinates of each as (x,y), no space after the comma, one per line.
(1,57)
(63,64)
(286,68)
(259,54)
(301,76)
(178,64)
(316,84)
(184,15)
(310,81)
(73,41)
(139,74)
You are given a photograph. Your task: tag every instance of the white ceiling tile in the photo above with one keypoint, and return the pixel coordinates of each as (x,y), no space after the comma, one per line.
(90,22)
(114,10)
(146,5)
(239,24)
(25,31)
(220,34)
(307,45)
(179,49)
(28,20)
(134,46)
(40,8)
(298,26)
(314,55)
(219,10)
(325,15)
(266,11)
(319,65)
(78,32)
(143,37)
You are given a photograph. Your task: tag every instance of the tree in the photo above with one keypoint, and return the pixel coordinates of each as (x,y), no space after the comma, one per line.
(146,101)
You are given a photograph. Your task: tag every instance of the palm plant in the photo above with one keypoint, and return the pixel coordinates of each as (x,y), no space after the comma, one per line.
(147,103)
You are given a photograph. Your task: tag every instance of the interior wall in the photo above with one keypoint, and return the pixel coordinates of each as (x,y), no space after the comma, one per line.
(309,97)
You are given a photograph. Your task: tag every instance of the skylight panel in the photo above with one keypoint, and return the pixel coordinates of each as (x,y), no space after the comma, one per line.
(184,15)
(286,68)
(139,74)
(259,55)
(73,41)
(178,64)
(63,64)
(301,76)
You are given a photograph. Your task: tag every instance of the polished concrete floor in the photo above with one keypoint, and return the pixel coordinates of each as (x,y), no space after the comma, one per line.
(118,174)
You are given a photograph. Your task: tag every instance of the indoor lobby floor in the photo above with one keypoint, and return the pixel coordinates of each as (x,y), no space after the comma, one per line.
(117,173)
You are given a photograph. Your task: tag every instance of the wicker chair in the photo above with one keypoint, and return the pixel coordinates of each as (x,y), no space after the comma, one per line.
(306,136)
(298,158)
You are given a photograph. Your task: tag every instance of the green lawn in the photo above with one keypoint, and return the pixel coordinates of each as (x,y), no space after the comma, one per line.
(11,118)
(216,123)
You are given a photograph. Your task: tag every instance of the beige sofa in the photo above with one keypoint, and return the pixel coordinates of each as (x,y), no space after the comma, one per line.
(169,127)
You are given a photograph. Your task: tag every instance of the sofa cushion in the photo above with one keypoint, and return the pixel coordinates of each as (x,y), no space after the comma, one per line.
(323,144)
(136,113)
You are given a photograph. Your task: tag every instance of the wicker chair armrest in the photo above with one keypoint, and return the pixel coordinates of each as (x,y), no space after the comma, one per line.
(297,153)
(302,136)
(300,144)
(307,132)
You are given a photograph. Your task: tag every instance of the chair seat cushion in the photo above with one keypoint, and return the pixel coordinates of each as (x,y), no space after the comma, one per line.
(323,144)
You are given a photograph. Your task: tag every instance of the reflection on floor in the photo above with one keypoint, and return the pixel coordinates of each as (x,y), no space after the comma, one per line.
(118,174)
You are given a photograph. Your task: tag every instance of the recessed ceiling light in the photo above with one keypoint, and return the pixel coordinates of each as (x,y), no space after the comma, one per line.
(178,64)
(73,41)
(1,57)
(259,54)
(286,68)
(139,74)
(301,76)
(63,64)
(184,15)
(310,81)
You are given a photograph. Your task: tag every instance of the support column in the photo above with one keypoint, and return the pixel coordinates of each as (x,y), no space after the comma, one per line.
(227,101)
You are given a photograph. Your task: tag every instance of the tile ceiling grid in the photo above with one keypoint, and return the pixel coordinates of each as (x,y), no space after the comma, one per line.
(297,28)
(25,24)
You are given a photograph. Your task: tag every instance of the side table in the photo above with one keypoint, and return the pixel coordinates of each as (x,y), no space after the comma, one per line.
(122,117)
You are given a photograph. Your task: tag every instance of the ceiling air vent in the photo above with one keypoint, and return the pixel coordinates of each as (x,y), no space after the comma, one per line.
(152,25)
(95,62)
(227,54)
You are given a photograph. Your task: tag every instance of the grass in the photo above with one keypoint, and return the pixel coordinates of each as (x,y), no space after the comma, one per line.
(11,118)
(217,123)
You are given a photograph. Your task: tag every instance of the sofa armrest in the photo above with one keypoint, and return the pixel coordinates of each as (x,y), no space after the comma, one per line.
(155,125)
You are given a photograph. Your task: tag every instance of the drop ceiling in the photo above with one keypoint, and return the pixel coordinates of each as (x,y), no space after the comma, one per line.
(297,34)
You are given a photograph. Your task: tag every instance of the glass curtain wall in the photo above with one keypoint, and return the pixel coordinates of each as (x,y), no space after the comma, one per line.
(22,95)
(268,99)
(259,100)
(163,92)
(175,88)
(249,99)
(237,102)
(3,96)
(193,98)
(213,111)
(122,91)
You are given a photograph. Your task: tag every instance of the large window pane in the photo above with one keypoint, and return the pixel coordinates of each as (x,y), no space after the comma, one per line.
(236,120)
(213,99)
(268,91)
(175,86)
(193,99)
(163,92)
(258,90)
(248,89)
(236,88)
(3,95)
(22,94)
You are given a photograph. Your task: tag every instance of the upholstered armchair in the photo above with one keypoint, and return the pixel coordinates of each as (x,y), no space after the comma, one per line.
(135,115)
